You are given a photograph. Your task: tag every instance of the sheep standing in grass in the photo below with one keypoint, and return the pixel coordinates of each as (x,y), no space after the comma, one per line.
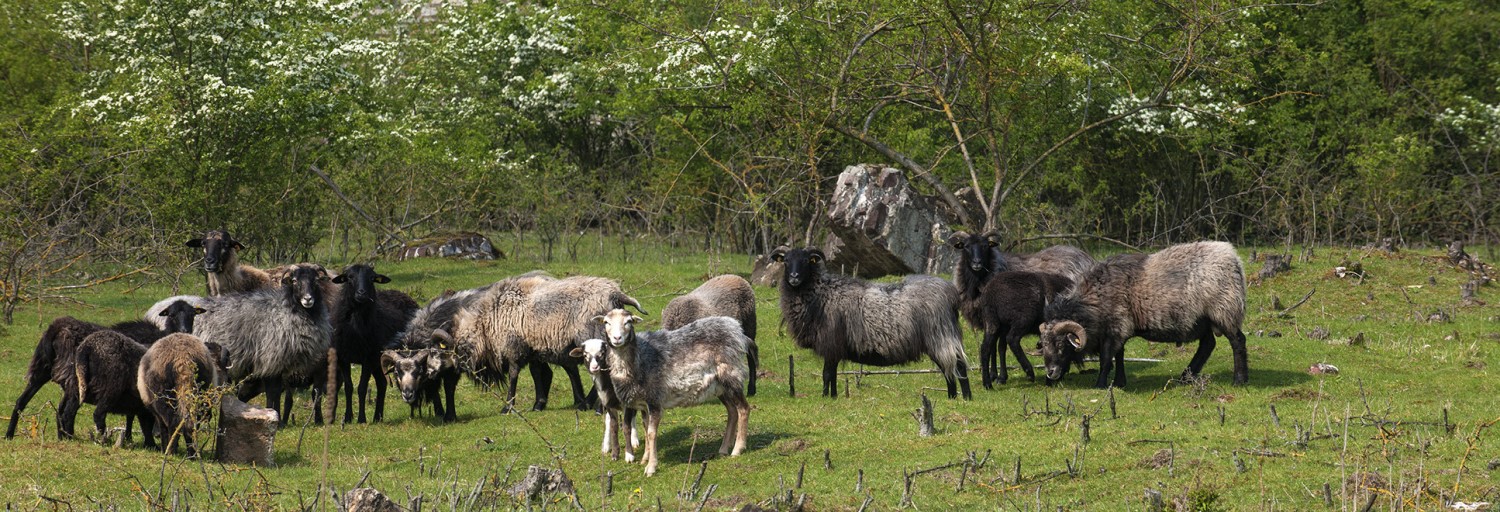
(275,337)
(54,360)
(1012,305)
(221,260)
(845,318)
(1183,293)
(105,370)
(659,370)
(421,375)
(169,379)
(365,321)
(536,320)
(727,295)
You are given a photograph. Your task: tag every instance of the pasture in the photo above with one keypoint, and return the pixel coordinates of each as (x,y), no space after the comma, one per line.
(1407,424)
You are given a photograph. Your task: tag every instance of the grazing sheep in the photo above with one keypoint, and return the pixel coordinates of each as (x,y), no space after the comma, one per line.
(846,318)
(422,374)
(727,295)
(221,260)
(169,379)
(1182,293)
(55,354)
(365,320)
(276,337)
(1010,304)
(659,370)
(535,319)
(105,369)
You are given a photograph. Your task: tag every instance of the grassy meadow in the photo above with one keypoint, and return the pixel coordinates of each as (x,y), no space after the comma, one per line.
(1408,423)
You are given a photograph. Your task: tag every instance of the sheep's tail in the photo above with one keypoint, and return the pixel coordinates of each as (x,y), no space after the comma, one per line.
(80,363)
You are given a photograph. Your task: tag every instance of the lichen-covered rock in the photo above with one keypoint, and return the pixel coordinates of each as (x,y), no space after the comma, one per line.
(366,499)
(246,433)
(884,226)
(463,244)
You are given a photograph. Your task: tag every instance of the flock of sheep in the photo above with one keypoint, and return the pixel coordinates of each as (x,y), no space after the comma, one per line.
(275,331)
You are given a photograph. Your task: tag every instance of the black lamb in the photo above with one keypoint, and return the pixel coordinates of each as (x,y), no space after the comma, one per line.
(365,321)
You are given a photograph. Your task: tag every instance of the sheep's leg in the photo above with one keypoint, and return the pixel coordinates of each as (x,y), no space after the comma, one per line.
(579,400)
(611,443)
(1106,364)
(1013,340)
(962,368)
(148,425)
(32,386)
(380,384)
(345,380)
(753,355)
(830,378)
(99,428)
(1206,346)
(731,421)
(129,425)
(653,421)
(67,412)
(1120,366)
(363,392)
(633,436)
(512,376)
(742,432)
(273,400)
(450,384)
(1241,357)
(986,358)
(541,377)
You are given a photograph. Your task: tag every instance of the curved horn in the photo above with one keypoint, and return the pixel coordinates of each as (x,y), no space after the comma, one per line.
(993,238)
(1073,332)
(443,337)
(957,239)
(628,300)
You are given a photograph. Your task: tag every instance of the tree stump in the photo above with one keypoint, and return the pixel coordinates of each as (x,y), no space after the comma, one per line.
(246,433)
(539,481)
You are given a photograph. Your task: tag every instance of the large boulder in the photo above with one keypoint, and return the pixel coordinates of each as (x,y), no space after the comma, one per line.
(884,226)
(462,244)
(246,433)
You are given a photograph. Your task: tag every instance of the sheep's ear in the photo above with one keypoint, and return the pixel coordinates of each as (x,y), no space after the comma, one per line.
(815,256)
(779,256)
(164,313)
(340,279)
(599,319)
(576,352)
(237,246)
(992,238)
(199,311)
(196,242)
(1075,339)
(443,338)
(635,319)
(382,279)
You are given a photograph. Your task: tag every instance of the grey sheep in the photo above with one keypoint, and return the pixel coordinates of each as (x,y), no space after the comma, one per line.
(846,318)
(1187,292)
(423,375)
(56,353)
(170,377)
(535,320)
(727,295)
(221,262)
(658,370)
(275,337)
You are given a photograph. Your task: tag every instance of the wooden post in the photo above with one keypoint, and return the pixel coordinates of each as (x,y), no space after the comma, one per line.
(923,415)
(791,376)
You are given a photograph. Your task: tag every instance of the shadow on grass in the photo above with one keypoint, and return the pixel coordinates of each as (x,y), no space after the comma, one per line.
(1135,382)
(674,444)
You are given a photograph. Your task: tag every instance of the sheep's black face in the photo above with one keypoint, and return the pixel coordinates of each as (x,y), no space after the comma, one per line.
(218,249)
(359,282)
(976,251)
(180,316)
(302,286)
(800,266)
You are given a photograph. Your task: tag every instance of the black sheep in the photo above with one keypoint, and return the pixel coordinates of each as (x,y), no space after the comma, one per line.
(106,374)
(1010,304)
(53,360)
(365,321)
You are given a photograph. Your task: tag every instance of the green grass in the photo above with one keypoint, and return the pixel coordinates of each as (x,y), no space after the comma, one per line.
(1384,414)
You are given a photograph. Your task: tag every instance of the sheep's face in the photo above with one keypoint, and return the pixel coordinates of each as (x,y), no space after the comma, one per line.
(592,353)
(976,251)
(800,266)
(180,316)
(1061,341)
(619,326)
(218,249)
(303,285)
(359,282)
(221,360)
(409,371)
